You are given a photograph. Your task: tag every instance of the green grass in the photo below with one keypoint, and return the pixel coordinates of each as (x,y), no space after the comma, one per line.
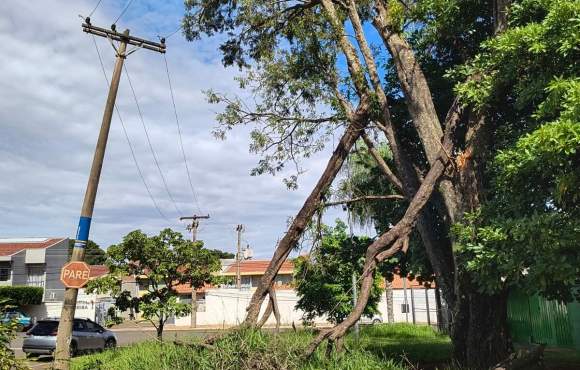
(417,344)
(379,347)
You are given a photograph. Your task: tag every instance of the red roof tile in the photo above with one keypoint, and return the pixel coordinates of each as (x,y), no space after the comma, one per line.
(257,267)
(98,270)
(9,247)
(397,283)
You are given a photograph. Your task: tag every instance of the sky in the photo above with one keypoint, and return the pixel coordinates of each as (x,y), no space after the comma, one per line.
(52,95)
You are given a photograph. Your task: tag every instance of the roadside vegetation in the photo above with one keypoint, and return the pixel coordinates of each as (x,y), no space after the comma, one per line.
(388,347)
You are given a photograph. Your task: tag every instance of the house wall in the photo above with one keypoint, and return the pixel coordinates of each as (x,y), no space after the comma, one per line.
(86,305)
(420,306)
(19,272)
(56,256)
(226,307)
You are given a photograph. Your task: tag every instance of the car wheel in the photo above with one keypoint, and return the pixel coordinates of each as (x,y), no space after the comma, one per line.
(73,349)
(32,355)
(376,321)
(110,343)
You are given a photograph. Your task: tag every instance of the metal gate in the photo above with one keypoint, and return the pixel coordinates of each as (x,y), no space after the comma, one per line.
(534,319)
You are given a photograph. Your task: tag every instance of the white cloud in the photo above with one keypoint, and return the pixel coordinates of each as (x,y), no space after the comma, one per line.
(52,93)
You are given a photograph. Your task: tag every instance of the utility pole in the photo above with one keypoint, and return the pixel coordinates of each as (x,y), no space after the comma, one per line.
(193,228)
(63,340)
(194,224)
(239,229)
(354,297)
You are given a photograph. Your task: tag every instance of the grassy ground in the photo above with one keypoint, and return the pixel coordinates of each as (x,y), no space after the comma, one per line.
(405,342)
(389,347)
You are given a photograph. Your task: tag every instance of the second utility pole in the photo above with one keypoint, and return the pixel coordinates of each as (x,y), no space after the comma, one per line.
(193,228)
(239,229)
(64,345)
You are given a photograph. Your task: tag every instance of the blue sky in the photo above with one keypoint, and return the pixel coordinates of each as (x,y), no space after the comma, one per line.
(52,96)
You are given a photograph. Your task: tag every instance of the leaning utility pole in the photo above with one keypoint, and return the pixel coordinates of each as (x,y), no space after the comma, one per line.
(239,229)
(63,339)
(193,228)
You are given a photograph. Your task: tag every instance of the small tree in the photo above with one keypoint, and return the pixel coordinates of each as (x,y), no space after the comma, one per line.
(7,333)
(166,260)
(324,279)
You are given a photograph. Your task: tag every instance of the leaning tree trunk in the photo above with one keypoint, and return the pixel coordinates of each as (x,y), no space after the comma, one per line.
(392,241)
(358,121)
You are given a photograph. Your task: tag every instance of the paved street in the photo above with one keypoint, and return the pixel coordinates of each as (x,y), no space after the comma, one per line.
(128,336)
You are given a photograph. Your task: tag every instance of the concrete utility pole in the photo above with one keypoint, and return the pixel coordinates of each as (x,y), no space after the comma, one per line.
(193,228)
(354,297)
(63,339)
(239,229)
(194,224)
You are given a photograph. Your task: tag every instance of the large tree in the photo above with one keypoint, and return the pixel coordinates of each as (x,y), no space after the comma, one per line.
(443,80)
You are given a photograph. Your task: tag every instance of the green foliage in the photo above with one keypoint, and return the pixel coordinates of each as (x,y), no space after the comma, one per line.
(167,260)
(324,279)
(221,254)
(22,295)
(8,360)
(526,234)
(249,349)
(94,255)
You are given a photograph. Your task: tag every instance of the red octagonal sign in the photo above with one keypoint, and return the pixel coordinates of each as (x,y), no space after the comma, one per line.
(75,274)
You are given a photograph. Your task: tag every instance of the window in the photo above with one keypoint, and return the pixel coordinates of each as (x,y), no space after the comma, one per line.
(79,325)
(35,275)
(92,327)
(405,308)
(5,272)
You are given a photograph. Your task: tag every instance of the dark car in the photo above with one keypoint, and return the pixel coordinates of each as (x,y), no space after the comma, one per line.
(87,336)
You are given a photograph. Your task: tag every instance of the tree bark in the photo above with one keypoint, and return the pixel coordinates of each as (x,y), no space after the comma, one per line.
(359,121)
(418,100)
(392,241)
(479,329)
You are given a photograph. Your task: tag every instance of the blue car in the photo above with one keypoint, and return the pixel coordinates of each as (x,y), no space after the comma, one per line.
(23,321)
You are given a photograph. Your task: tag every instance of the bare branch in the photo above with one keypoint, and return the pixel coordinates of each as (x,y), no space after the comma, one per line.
(364,198)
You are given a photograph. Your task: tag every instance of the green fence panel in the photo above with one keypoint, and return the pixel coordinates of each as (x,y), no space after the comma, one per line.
(574,317)
(533,319)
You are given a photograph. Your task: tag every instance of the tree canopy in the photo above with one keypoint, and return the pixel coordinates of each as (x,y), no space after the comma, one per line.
(477,103)
(166,261)
(94,255)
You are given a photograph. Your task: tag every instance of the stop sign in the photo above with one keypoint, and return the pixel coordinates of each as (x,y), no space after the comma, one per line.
(75,274)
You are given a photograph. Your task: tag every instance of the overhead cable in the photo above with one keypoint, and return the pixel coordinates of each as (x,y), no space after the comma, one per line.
(139,111)
(128,140)
(123,11)
(180,136)
(95,8)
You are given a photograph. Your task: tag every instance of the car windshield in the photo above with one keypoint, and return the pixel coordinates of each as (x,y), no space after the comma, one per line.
(44,328)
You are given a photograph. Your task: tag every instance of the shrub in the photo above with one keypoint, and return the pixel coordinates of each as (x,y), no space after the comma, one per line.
(22,295)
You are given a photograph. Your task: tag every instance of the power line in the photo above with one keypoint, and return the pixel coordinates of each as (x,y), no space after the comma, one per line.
(123,11)
(127,137)
(173,33)
(180,136)
(149,140)
(95,8)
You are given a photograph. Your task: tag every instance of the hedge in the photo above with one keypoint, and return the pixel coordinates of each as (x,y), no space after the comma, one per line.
(22,295)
